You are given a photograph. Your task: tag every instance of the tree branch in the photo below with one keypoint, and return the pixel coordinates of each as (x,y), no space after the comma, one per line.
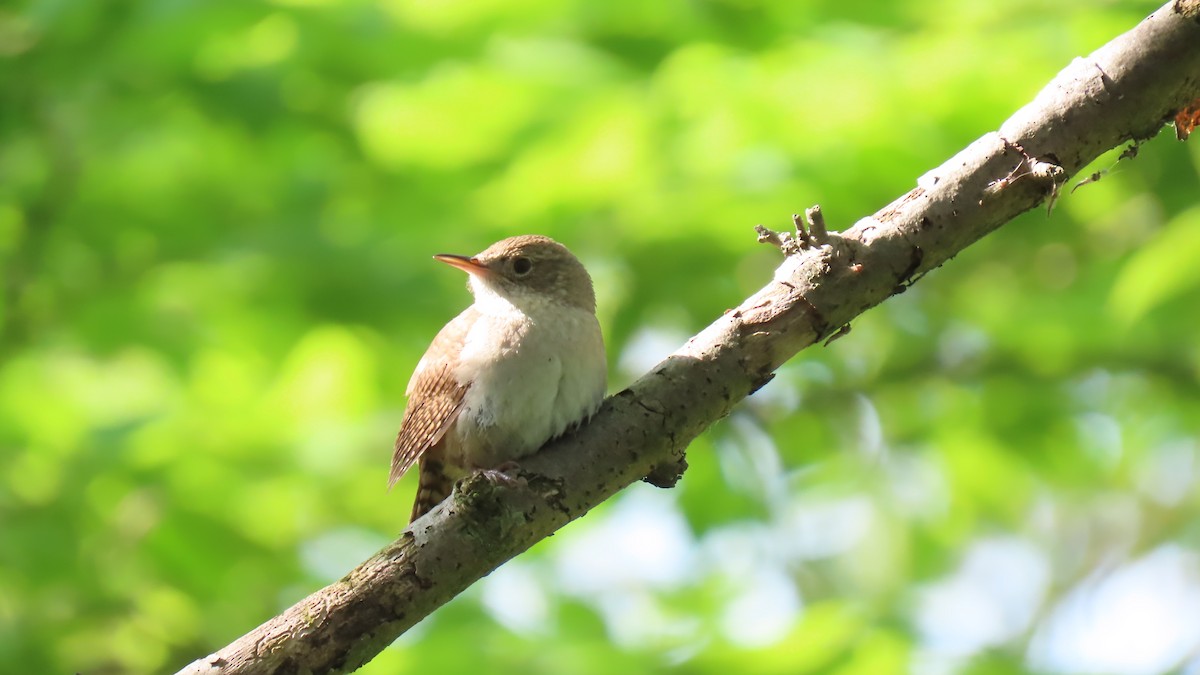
(1125,91)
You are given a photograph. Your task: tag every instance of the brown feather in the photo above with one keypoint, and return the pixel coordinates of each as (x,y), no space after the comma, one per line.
(435,397)
(434,486)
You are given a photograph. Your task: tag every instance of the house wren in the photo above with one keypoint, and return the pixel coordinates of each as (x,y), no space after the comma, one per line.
(515,369)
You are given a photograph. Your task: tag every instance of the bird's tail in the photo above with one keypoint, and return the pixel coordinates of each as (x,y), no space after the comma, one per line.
(434,486)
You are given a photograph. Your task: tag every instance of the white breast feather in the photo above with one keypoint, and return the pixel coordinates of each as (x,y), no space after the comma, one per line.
(522,397)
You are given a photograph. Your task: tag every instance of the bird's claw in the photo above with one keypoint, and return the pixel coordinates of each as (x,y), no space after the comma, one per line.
(506,474)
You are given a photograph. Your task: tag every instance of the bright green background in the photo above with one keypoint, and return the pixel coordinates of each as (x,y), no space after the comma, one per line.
(216,222)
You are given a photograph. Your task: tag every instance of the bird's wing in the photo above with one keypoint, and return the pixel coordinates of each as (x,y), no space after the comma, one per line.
(435,397)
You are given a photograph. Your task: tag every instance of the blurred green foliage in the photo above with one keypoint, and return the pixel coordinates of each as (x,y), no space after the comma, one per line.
(216,220)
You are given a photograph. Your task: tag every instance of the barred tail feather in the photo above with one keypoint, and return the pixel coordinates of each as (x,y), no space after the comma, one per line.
(434,486)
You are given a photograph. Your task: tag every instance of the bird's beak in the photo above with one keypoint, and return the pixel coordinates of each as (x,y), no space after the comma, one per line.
(462,262)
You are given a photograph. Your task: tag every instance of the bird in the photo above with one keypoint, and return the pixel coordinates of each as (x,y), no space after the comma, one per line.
(522,365)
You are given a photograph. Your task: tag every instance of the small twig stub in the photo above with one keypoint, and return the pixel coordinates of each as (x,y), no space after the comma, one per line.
(807,235)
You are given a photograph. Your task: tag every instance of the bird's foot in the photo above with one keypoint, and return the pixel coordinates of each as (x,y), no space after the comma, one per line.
(507,474)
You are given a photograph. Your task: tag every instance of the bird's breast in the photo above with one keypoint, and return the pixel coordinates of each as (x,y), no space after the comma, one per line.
(530,378)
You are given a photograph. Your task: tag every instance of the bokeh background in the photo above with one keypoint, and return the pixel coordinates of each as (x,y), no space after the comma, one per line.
(216,223)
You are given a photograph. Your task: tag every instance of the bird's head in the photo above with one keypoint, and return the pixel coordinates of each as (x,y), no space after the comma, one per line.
(527,270)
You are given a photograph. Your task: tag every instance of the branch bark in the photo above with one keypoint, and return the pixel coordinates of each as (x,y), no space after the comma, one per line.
(1125,91)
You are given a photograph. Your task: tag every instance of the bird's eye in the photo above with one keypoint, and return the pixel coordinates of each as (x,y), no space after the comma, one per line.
(521,266)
